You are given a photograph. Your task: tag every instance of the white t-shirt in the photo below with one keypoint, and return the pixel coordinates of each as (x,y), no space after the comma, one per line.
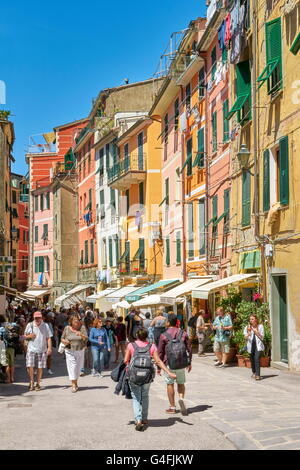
(39,344)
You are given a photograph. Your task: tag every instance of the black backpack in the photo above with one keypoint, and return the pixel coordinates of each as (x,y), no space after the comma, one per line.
(177,354)
(141,369)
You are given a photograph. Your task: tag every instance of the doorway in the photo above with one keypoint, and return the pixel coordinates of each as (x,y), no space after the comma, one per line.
(281,288)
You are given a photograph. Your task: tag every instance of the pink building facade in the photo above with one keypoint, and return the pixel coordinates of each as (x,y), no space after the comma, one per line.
(42,241)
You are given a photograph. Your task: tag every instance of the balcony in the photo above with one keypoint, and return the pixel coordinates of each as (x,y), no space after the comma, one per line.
(24,198)
(133,267)
(130,170)
(188,68)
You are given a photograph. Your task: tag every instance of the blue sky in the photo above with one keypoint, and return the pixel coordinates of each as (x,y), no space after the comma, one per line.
(56,56)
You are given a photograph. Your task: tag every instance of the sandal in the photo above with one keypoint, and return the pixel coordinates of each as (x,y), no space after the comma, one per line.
(31,387)
(139,426)
(171,411)
(74,389)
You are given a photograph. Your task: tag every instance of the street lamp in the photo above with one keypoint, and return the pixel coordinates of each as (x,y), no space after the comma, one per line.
(243,156)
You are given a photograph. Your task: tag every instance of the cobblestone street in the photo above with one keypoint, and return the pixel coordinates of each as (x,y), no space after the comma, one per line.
(227,410)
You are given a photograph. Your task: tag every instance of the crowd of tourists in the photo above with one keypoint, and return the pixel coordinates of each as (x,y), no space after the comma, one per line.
(88,337)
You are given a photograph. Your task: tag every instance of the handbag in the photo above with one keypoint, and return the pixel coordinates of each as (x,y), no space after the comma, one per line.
(61,348)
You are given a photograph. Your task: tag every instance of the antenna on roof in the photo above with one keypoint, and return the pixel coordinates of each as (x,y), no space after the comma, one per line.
(126,81)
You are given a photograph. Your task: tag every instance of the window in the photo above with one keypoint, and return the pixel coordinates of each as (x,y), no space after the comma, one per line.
(168,251)
(117,249)
(178,248)
(202,237)
(190,230)
(166,128)
(213,63)
(142,253)
(214,132)
(114,152)
(283,167)
(42,202)
(226,210)
(167,201)
(86,252)
(215,216)
(141,194)
(225,122)
(272,73)
(189,157)
(47,201)
(45,233)
(107,156)
(92,257)
(188,96)
(110,251)
(141,151)
(101,162)
(24,263)
(113,200)
(36,202)
(127,201)
(41,264)
(90,199)
(47,264)
(246,195)
(242,105)
(36,264)
(266,180)
(201,78)
(176,114)
(36,234)
(102,205)
(200,159)
(14,197)
(81,257)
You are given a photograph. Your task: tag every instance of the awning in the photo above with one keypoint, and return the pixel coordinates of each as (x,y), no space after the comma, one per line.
(9,290)
(75,295)
(148,301)
(137,295)
(118,295)
(122,304)
(169,297)
(37,293)
(98,295)
(204,291)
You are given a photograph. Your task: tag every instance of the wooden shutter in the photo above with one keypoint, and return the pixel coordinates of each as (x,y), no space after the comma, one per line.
(266,181)
(142,253)
(189,156)
(226,209)
(284,170)
(92,251)
(246,203)
(107,156)
(191,229)
(141,193)
(36,264)
(273,40)
(110,250)
(141,151)
(36,233)
(167,191)
(41,264)
(201,148)
(178,248)
(225,122)
(168,251)
(214,132)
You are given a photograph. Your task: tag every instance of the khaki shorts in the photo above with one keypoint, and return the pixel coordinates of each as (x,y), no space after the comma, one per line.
(221,346)
(180,377)
(10,356)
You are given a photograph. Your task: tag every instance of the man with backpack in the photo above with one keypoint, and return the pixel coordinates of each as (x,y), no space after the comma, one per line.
(139,356)
(175,350)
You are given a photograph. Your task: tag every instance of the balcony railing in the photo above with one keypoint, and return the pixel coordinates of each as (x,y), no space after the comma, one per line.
(130,163)
(133,267)
(24,197)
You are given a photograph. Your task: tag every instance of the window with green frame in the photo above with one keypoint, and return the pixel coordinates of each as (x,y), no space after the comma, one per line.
(242,105)
(110,251)
(284,171)
(86,252)
(215,216)
(201,79)
(225,122)
(214,132)
(190,230)
(189,158)
(272,73)
(266,181)
(36,234)
(213,63)
(246,198)
(168,262)
(200,158)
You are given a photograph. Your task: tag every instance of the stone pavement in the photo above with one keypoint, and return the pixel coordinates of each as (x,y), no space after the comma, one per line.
(227,410)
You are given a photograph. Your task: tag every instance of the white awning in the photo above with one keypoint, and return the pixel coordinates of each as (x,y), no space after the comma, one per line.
(118,295)
(123,304)
(36,293)
(169,297)
(9,290)
(148,301)
(73,296)
(204,291)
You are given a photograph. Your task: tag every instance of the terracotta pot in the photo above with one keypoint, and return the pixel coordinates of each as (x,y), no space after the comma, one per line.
(248,362)
(264,362)
(241,360)
(232,354)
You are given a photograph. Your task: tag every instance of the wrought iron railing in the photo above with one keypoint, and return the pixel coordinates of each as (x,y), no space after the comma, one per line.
(133,162)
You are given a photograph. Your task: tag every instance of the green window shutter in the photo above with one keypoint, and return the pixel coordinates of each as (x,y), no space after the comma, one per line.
(107,156)
(225,122)
(224,55)
(142,253)
(199,161)
(226,210)
(92,251)
(284,170)
(296,45)
(215,214)
(36,234)
(214,132)
(189,157)
(41,264)
(273,70)
(141,151)
(48,201)
(113,198)
(202,234)
(213,63)
(167,199)
(242,104)
(168,251)
(201,77)
(246,201)
(36,199)
(178,248)
(45,231)
(42,202)
(266,181)
(36,264)
(191,230)
(127,200)
(86,252)
(110,249)
(117,249)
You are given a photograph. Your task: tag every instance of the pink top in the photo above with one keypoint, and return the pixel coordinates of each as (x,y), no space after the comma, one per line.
(141,344)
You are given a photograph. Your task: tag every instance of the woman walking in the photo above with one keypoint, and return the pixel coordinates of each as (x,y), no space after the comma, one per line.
(159,325)
(140,393)
(74,337)
(254,333)
(99,344)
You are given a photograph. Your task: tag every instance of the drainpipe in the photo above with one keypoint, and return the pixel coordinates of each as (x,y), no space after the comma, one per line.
(258,238)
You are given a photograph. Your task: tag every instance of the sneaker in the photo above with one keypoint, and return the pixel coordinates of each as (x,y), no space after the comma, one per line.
(37,387)
(139,427)
(218,363)
(223,366)
(31,387)
(171,411)
(50,372)
(101,376)
(182,407)
(93,373)
(82,374)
